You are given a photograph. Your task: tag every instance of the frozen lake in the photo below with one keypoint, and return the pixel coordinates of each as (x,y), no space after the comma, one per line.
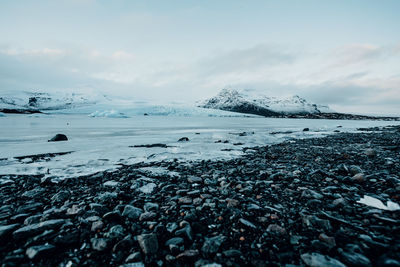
(103,143)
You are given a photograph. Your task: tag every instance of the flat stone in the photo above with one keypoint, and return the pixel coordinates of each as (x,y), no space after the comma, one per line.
(319,260)
(5,230)
(35,229)
(111,183)
(247,223)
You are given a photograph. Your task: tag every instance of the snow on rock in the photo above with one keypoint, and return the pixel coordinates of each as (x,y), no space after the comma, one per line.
(108,114)
(244,102)
(376,203)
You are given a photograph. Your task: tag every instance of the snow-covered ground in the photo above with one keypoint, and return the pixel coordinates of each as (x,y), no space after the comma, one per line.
(101,143)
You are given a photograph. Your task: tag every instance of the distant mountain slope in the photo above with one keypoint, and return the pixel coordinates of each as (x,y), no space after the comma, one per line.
(233,100)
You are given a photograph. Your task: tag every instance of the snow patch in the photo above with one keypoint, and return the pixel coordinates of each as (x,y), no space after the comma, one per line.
(376,203)
(2,114)
(108,114)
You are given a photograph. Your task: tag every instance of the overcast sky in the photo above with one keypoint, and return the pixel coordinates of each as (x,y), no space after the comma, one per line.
(342,53)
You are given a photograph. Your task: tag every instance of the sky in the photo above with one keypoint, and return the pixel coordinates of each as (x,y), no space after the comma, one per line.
(342,53)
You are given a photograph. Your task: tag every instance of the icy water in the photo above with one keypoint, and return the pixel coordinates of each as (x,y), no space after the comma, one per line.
(102,143)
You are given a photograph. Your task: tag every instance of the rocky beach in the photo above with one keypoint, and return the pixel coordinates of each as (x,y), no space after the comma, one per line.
(291,204)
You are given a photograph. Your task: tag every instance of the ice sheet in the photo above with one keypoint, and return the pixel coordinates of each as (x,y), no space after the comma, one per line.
(104,143)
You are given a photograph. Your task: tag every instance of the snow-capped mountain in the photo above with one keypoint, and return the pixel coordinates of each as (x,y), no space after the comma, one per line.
(44,101)
(242,101)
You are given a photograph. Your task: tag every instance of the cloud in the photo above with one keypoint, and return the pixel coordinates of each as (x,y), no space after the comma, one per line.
(246,60)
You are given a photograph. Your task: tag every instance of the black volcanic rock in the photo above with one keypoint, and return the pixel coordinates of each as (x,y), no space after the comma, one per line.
(58,137)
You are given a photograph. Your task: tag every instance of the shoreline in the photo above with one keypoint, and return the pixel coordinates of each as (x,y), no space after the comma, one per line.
(288,203)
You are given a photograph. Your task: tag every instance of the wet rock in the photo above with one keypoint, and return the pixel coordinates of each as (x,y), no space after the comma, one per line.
(111,183)
(370,152)
(41,251)
(35,229)
(134,257)
(354,259)
(97,226)
(6,230)
(148,243)
(183,139)
(247,223)
(58,137)
(212,245)
(276,229)
(319,260)
(60,196)
(117,231)
(132,212)
(147,216)
(306,129)
(151,206)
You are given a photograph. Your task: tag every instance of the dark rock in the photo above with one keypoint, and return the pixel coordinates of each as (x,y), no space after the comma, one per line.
(6,230)
(306,129)
(354,259)
(176,241)
(148,243)
(211,245)
(132,212)
(58,137)
(318,260)
(183,139)
(37,228)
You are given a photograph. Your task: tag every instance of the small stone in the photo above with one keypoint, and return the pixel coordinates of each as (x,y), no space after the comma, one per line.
(355,259)
(132,212)
(97,226)
(276,229)
(117,231)
(370,152)
(37,252)
(232,202)
(60,196)
(188,254)
(99,244)
(327,239)
(185,200)
(147,216)
(183,139)
(150,206)
(211,245)
(306,129)
(111,183)
(134,257)
(359,178)
(176,241)
(247,223)
(148,243)
(194,180)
